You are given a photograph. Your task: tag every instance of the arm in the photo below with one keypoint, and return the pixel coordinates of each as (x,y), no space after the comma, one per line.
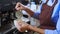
(32,14)
(29,11)
(46,31)
(41,31)
(20,6)
(26,26)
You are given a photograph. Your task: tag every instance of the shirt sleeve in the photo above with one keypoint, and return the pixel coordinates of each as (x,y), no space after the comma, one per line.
(57,31)
(36,15)
(51,32)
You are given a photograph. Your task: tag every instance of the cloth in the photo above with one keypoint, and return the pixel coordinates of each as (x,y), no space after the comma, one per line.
(57,30)
(54,16)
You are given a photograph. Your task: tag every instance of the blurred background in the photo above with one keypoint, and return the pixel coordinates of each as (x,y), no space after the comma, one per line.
(8,15)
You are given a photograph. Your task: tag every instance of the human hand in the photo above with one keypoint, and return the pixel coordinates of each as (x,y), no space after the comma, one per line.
(19,6)
(21,26)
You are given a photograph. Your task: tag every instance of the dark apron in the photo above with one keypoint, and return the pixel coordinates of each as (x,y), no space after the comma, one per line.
(45,16)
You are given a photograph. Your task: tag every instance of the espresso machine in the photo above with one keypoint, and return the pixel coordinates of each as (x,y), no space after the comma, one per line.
(8,15)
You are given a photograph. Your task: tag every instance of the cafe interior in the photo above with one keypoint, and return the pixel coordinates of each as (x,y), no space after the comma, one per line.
(9,15)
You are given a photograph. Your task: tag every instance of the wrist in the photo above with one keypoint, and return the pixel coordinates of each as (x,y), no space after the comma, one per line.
(25,8)
(30,27)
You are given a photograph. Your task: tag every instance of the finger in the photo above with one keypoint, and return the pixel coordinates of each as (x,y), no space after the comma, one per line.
(17,5)
(20,24)
(20,29)
(19,8)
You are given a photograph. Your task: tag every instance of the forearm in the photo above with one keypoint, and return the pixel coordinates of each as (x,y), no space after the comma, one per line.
(29,11)
(36,29)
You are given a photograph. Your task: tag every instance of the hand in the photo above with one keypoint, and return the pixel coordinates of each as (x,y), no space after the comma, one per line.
(19,6)
(22,26)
